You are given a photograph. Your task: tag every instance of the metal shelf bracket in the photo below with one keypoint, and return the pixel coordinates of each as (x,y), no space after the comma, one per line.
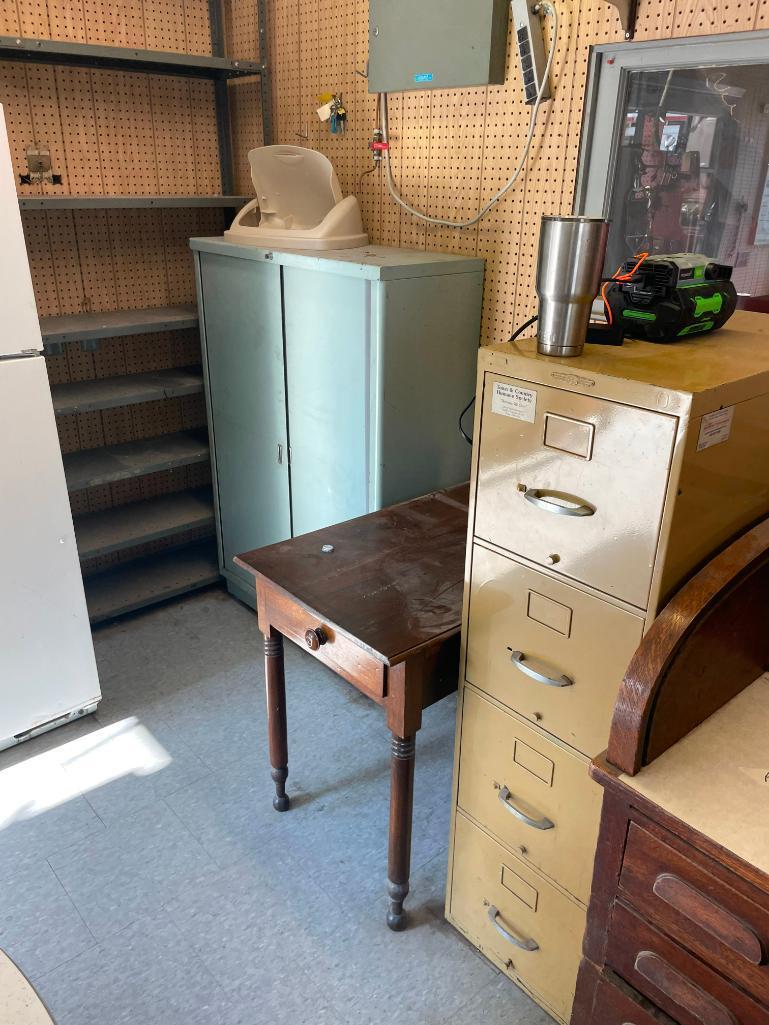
(628,9)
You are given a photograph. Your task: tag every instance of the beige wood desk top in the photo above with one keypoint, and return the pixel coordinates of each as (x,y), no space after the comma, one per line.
(19,1003)
(717,778)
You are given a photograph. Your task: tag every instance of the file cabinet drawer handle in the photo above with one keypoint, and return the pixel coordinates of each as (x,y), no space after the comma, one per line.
(518,658)
(558,502)
(682,991)
(506,799)
(525,944)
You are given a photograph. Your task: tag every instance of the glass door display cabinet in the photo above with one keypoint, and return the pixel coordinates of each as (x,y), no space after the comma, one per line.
(676,152)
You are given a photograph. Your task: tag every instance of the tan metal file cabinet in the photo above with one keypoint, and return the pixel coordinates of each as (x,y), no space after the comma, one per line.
(600,483)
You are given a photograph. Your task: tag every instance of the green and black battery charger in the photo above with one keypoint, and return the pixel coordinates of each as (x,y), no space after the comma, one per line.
(672,297)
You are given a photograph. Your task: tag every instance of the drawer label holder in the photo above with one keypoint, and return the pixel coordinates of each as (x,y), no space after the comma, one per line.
(513,401)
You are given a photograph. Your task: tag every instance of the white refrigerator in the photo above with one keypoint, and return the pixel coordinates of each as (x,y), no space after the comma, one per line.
(47,666)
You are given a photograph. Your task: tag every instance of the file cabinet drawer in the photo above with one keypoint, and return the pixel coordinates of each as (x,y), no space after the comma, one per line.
(574,479)
(535,795)
(516,916)
(521,620)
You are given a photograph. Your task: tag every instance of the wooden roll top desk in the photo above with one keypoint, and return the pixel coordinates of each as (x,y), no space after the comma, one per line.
(678,925)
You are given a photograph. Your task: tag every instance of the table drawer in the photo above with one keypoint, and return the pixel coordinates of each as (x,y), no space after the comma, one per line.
(527,911)
(574,478)
(686,897)
(536,796)
(559,632)
(672,979)
(615,1003)
(339,652)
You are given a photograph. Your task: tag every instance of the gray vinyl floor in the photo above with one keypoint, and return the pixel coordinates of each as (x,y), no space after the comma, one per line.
(145,878)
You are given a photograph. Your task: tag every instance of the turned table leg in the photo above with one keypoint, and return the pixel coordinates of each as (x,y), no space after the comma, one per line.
(276,716)
(401,807)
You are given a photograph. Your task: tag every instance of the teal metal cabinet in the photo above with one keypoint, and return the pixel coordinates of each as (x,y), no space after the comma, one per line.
(333,382)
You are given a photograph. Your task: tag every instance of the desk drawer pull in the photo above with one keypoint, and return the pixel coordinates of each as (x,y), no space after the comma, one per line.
(705,913)
(506,799)
(558,502)
(315,638)
(525,944)
(518,658)
(682,991)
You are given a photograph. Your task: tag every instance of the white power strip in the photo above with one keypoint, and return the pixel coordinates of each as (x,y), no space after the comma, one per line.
(531,49)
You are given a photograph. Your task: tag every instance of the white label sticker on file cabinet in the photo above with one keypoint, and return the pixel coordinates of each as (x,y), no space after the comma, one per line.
(510,400)
(715,428)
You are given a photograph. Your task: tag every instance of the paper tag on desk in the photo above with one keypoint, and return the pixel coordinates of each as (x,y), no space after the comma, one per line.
(510,400)
(715,428)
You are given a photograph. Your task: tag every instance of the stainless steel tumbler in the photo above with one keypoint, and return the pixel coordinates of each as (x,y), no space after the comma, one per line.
(571,257)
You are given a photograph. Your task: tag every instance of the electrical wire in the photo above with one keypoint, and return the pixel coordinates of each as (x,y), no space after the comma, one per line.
(360,180)
(518,331)
(616,276)
(548,9)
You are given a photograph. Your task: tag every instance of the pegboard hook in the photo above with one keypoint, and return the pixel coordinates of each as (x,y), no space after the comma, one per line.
(628,9)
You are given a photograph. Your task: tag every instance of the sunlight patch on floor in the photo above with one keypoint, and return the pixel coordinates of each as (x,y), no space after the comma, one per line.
(44,781)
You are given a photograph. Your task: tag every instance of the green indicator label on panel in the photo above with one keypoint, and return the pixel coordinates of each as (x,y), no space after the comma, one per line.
(694,329)
(639,315)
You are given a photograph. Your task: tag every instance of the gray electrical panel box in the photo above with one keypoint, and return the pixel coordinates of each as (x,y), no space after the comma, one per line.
(436,44)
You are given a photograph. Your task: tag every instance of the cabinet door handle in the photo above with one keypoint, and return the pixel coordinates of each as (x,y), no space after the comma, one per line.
(506,799)
(522,944)
(682,991)
(705,913)
(518,658)
(559,502)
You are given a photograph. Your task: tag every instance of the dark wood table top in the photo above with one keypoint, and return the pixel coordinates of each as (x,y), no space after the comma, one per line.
(394,580)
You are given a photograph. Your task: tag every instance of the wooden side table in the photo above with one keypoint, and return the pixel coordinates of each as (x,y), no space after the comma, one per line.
(377,599)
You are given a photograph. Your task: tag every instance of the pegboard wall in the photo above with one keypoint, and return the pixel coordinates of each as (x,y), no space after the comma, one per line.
(453,149)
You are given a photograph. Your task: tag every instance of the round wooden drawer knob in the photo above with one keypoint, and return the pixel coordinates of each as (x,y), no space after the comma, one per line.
(314,638)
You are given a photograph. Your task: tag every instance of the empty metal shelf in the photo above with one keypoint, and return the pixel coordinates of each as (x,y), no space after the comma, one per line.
(58,51)
(126,390)
(70,202)
(79,327)
(153,578)
(94,466)
(125,526)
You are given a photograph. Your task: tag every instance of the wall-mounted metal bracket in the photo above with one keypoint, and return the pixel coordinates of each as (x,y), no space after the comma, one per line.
(628,10)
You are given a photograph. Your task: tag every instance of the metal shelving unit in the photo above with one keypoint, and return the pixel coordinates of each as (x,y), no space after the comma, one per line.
(84,327)
(125,526)
(93,466)
(133,584)
(126,390)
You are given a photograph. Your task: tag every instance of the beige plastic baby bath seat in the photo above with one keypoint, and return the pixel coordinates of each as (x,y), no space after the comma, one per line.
(298,203)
